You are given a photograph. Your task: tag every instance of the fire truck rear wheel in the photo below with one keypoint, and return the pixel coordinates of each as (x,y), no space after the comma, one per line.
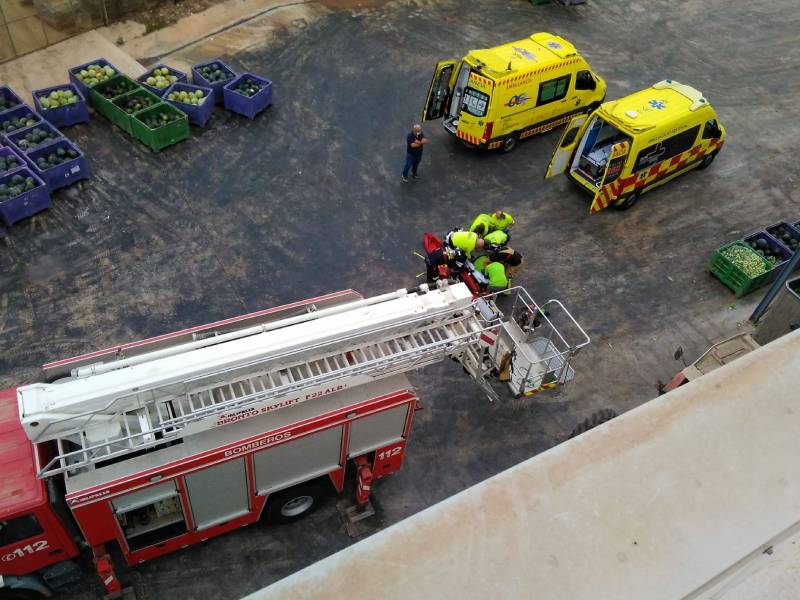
(296,502)
(19,594)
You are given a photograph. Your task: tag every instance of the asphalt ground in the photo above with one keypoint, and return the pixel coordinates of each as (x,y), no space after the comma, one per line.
(307,199)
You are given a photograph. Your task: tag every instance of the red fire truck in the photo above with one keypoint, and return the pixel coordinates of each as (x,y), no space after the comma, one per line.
(170,441)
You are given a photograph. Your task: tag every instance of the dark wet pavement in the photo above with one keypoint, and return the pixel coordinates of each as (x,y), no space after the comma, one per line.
(307,199)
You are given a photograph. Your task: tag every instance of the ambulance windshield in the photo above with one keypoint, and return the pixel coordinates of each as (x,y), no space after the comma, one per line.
(475,102)
(595,149)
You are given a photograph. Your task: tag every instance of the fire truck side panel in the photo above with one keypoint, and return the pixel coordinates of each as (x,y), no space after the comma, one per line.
(226,474)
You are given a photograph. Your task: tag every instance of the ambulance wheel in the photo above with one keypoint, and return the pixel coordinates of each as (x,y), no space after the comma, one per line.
(509,143)
(628,201)
(295,502)
(707,160)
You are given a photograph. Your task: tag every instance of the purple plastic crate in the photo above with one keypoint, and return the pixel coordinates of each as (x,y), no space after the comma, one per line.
(64,174)
(27,203)
(62,116)
(8,94)
(773,245)
(789,228)
(198,79)
(24,111)
(182,78)
(21,163)
(18,137)
(244,105)
(198,115)
(102,62)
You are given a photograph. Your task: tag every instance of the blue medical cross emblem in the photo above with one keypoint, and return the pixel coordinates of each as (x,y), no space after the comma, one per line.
(658,104)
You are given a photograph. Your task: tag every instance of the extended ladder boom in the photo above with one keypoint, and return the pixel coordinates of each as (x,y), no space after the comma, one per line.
(115,409)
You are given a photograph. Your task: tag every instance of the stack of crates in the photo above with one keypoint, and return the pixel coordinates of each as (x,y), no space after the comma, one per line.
(131,104)
(781,239)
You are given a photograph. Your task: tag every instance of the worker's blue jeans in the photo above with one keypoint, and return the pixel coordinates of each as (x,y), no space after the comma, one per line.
(412,163)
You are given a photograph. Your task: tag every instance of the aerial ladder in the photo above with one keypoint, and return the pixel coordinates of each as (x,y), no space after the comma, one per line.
(165,443)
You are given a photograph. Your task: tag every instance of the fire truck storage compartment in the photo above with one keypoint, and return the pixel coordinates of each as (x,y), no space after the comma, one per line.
(377,430)
(298,460)
(151,515)
(218,494)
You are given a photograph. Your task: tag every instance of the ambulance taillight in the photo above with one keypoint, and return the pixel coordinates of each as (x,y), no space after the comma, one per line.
(487,132)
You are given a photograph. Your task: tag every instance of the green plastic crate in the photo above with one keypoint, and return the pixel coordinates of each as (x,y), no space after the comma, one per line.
(120,117)
(105,106)
(166,135)
(732,276)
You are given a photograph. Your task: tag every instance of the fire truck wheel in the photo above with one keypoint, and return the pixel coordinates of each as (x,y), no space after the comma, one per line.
(19,594)
(509,143)
(707,160)
(628,201)
(295,503)
(597,418)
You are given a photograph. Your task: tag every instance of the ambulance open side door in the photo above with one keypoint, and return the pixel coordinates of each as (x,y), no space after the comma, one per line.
(607,192)
(562,156)
(440,91)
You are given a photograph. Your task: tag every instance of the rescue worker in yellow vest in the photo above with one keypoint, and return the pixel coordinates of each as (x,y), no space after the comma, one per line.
(501,220)
(495,272)
(498,237)
(466,241)
(482,224)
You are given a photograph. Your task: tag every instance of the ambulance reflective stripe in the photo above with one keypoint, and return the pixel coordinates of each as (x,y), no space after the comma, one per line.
(541,388)
(522,79)
(606,194)
(549,125)
(646,177)
(481,82)
(469,138)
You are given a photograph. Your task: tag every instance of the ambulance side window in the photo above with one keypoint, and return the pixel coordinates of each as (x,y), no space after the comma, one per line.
(555,89)
(585,81)
(19,529)
(677,144)
(711,130)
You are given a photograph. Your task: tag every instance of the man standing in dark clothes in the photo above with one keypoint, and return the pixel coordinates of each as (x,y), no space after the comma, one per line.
(414,144)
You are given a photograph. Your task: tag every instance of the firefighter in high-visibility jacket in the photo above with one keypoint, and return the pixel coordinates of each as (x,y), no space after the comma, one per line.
(501,220)
(495,272)
(482,224)
(497,238)
(466,241)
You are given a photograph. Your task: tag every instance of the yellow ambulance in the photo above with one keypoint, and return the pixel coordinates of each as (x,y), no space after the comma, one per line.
(632,145)
(493,98)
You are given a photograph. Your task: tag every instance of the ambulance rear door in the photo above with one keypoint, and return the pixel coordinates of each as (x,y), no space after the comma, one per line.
(440,91)
(562,156)
(606,195)
(475,101)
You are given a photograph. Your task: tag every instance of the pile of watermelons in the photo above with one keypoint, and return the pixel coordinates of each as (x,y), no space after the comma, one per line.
(35,137)
(123,86)
(7,163)
(762,248)
(55,158)
(213,73)
(160,119)
(248,87)
(58,98)
(137,103)
(17,123)
(94,74)
(6,103)
(783,234)
(19,184)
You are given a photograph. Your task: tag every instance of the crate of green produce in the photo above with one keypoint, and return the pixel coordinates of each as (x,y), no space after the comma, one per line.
(8,99)
(215,74)
(34,137)
(59,164)
(160,77)
(10,161)
(22,194)
(62,105)
(103,94)
(92,73)
(160,126)
(18,118)
(124,107)
(248,95)
(787,234)
(740,267)
(195,100)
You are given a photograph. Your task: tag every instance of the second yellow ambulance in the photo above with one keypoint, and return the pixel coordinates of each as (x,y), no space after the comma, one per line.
(632,145)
